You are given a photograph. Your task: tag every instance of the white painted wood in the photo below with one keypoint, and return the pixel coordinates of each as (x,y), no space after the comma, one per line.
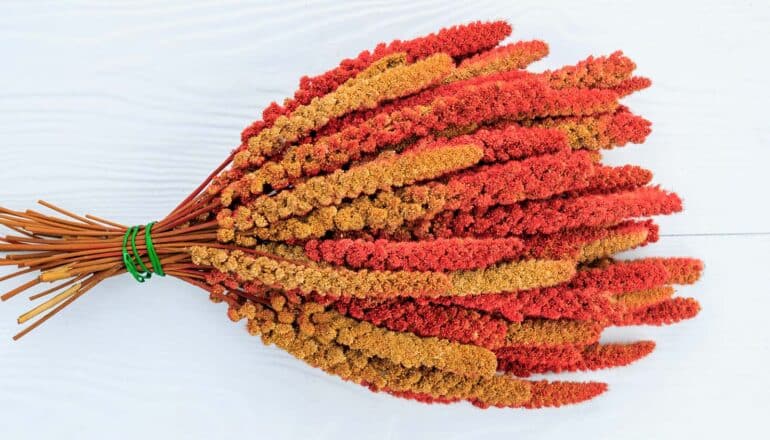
(120,108)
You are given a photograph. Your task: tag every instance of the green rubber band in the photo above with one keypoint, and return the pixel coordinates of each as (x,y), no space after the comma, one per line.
(136,257)
(133,262)
(154,259)
(127,260)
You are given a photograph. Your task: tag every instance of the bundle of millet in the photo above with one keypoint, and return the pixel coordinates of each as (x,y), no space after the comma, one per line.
(427,219)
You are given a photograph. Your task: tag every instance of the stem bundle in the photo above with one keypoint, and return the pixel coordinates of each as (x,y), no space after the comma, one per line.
(426,219)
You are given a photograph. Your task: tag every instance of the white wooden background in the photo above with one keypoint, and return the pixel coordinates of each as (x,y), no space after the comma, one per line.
(120,108)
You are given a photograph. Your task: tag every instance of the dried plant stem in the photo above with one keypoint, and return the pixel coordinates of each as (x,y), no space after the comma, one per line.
(76,253)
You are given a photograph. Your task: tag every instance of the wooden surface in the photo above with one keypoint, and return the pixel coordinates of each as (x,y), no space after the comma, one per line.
(120,108)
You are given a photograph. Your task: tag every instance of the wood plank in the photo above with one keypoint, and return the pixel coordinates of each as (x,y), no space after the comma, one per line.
(120,108)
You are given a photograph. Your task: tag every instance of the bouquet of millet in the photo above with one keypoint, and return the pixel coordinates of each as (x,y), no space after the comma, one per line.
(428,220)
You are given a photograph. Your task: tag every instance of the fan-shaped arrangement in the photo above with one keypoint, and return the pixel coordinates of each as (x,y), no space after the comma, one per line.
(427,219)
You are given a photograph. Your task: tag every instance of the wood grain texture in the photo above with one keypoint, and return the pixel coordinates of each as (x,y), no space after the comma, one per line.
(119,108)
